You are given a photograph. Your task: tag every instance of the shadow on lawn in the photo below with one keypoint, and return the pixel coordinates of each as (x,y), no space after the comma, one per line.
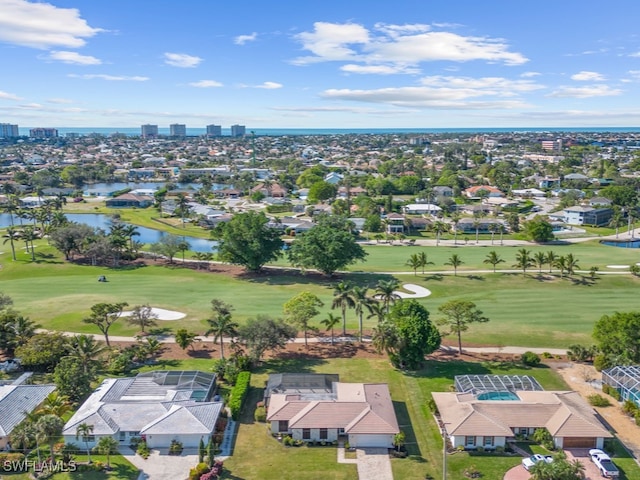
(290,276)
(404,421)
(290,363)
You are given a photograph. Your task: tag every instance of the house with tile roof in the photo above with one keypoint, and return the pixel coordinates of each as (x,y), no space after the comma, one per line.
(361,412)
(490,420)
(160,406)
(16,402)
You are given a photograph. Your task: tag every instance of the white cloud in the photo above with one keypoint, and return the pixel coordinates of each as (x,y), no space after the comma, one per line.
(8,96)
(269,85)
(242,39)
(586,76)
(181,60)
(74,58)
(42,25)
(405,45)
(59,100)
(530,74)
(112,78)
(378,69)
(206,84)
(445,92)
(585,92)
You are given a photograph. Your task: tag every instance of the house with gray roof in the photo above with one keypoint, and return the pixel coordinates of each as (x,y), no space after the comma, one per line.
(361,412)
(159,406)
(16,401)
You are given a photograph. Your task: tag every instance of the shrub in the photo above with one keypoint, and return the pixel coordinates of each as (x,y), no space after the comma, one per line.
(238,394)
(287,441)
(12,462)
(546,355)
(629,407)
(615,394)
(636,417)
(599,401)
(531,359)
(601,361)
(199,470)
(175,448)
(260,415)
(143,449)
(499,449)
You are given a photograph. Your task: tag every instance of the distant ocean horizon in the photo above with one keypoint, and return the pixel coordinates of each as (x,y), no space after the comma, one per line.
(279,132)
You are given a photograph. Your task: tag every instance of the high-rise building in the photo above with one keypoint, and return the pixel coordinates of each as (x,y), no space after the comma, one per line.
(238,130)
(178,130)
(8,130)
(149,131)
(43,132)
(214,131)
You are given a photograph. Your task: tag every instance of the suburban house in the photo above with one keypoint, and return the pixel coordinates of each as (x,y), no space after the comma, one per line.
(497,409)
(421,209)
(625,379)
(395,223)
(129,200)
(583,215)
(159,406)
(299,383)
(480,190)
(443,191)
(484,225)
(361,412)
(16,402)
(270,189)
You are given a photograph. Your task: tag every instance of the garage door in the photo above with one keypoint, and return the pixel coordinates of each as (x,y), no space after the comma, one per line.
(578,442)
(363,440)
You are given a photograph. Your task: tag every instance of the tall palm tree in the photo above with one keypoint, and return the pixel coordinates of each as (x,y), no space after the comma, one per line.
(438,227)
(571,264)
(48,430)
(22,436)
(455,261)
(385,337)
(330,322)
(551,259)
(414,263)
(107,446)
(561,264)
(540,259)
(494,259)
(386,291)
(362,302)
(377,310)
(343,299)
(86,349)
(183,207)
(10,235)
(455,220)
(130,231)
(424,260)
(29,235)
(477,223)
(85,430)
(501,230)
(523,260)
(55,404)
(221,326)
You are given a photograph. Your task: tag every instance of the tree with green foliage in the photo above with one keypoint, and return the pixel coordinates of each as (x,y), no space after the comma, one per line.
(48,430)
(301,309)
(167,246)
(424,260)
(15,330)
(571,264)
(264,333)
(185,338)
(550,259)
(330,323)
(343,299)
(618,337)
(458,315)
(220,324)
(539,259)
(321,191)
(202,451)
(494,259)
(107,446)
(523,260)
(71,379)
(84,431)
(414,263)
(410,335)
(362,303)
(538,230)
(103,315)
(142,316)
(328,246)
(386,291)
(249,241)
(43,351)
(455,261)
(86,349)
(559,469)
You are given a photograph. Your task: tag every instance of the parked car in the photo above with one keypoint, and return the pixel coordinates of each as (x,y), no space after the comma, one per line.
(529,462)
(607,468)
(11,365)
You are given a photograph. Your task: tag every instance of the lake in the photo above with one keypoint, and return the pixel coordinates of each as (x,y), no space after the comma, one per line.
(110,187)
(99,220)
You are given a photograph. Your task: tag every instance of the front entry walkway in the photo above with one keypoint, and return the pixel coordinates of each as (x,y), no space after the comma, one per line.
(374,464)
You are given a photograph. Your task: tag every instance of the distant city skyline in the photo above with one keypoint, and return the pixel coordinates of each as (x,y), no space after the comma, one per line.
(352,65)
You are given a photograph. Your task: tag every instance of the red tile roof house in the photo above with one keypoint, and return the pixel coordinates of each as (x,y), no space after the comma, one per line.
(474,192)
(362,412)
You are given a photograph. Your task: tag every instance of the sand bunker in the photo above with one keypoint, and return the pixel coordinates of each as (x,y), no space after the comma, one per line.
(162,314)
(417,291)
(618,266)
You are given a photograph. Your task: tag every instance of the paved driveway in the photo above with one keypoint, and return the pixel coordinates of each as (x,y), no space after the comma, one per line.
(161,467)
(374,464)
(582,454)
(517,473)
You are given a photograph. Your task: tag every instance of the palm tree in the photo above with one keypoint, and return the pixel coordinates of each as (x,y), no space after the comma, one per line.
(617,219)
(22,436)
(540,259)
(85,430)
(107,446)
(130,231)
(330,322)
(501,230)
(29,235)
(414,263)
(424,261)
(86,349)
(183,207)
(561,263)
(221,326)
(523,260)
(11,234)
(55,404)
(455,220)
(23,329)
(386,291)
(493,228)
(343,298)
(377,310)
(551,259)
(571,264)
(362,302)
(455,261)
(439,227)
(477,223)
(385,337)
(48,430)
(494,259)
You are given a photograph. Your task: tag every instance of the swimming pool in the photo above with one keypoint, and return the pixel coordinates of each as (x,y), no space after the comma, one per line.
(631,243)
(498,396)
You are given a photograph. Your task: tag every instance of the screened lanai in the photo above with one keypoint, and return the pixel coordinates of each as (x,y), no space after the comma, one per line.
(478,384)
(626,380)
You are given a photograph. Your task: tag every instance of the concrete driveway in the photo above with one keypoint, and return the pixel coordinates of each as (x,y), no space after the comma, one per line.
(161,466)
(591,472)
(517,473)
(374,464)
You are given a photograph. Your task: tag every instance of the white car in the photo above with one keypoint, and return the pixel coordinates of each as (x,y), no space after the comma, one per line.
(529,462)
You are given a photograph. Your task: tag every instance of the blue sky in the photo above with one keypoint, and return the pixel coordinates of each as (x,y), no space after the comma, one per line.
(320,64)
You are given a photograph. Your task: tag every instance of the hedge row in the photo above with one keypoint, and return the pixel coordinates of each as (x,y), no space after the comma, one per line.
(238,394)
